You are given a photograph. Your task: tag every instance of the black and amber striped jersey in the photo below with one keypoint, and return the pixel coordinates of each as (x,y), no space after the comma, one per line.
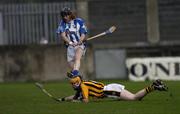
(90,88)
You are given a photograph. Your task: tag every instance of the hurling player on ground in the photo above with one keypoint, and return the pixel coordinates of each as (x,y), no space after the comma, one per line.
(73,31)
(85,89)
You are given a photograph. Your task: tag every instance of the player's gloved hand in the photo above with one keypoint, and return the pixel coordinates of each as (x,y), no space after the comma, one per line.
(61,99)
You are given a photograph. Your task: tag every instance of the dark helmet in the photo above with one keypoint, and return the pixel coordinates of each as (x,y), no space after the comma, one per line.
(66,11)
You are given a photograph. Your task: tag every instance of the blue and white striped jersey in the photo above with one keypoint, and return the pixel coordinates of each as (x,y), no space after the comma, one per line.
(73,29)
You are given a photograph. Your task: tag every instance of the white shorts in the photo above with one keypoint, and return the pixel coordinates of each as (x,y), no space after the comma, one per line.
(71,52)
(113,90)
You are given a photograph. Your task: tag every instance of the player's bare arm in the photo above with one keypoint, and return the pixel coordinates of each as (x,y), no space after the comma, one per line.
(82,38)
(63,35)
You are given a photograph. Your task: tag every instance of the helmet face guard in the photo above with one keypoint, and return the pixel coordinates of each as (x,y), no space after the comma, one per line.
(66,11)
(63,14)
(76,81)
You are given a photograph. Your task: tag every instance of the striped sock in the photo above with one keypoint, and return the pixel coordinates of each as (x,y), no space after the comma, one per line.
(149,89)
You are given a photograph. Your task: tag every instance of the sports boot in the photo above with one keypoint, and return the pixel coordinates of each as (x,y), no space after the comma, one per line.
(159,85)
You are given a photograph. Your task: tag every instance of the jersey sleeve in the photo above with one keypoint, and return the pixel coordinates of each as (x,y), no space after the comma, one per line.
(83,28)
(85,91)
(61,27)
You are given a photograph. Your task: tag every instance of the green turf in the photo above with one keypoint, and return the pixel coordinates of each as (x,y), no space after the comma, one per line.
(25,98)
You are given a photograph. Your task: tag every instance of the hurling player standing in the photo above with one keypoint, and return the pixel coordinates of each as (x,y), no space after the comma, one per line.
(73,31)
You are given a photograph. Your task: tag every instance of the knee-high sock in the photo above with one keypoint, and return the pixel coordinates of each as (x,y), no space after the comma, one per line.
(142,93)
(149,89)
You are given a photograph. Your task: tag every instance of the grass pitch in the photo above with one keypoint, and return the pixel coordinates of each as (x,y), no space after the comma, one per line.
(25,98)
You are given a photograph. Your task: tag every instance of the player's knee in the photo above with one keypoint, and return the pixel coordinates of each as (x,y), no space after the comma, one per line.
(133,98)
(137,98)
(129,97)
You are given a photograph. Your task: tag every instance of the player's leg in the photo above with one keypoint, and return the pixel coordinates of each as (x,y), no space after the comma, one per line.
(70,60)
(118,91)
(70,65)
(157,85)
(113,90)
(127,95)
(78,55)
(74,55)
(79,52)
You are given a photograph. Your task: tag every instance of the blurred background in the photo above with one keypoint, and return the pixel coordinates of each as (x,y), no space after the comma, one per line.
(145,45)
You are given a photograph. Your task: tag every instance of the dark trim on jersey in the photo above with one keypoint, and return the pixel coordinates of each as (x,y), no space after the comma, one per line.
(96,96)
(114,93)
(93,86)
(98,83)
(77,39)
(71,38)
(75,23)
(96,91)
